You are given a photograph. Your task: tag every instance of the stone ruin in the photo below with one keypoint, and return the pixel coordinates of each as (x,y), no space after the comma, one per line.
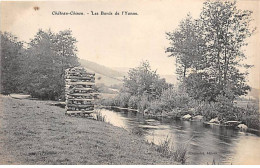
(79,91)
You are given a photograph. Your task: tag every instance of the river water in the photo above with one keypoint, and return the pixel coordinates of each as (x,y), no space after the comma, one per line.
(205,143)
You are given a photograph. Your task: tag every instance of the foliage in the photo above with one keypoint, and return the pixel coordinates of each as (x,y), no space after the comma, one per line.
(180,154)
(187,46)
(250,116)
(142,80)
(100,117)
(164,147)
(122,99)
(133,102)
(156,106)
(144,103)
(210,49)
(175,98)
(11,51)
(201,87)
(38,69)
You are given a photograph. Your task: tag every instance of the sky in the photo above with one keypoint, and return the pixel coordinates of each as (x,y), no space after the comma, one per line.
(119,41)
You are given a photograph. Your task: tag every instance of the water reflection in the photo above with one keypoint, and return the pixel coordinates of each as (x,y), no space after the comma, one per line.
(205,142)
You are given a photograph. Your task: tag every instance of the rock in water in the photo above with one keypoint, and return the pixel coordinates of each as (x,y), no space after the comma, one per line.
(214,120)
(198,118)
(186,117)
(242,127)
(146,111)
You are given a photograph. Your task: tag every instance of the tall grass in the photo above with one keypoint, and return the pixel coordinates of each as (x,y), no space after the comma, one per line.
(99,116)
(180,154)
(166,149)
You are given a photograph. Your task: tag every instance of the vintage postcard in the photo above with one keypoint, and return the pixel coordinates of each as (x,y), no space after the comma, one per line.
(130,82)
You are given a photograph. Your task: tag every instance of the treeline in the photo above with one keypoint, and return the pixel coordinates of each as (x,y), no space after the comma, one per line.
(209,51)
(141,86)
(37,68)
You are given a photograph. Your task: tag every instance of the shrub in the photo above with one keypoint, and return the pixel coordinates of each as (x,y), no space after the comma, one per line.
(107,102)
(164,147)
(144,103)
(123,99)
(251,116)
(156,106)
(207,109)
(133,102)
(175,98)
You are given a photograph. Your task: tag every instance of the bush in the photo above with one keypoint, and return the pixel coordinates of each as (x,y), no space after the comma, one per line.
(156,106)
(107,102)
(251,116)
(133,102)
(166,149)
(175,98)
(251,121)
(122,100)
(144,103)
(206,109)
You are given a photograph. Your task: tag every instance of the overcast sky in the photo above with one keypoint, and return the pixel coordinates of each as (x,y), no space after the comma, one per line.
(118,41)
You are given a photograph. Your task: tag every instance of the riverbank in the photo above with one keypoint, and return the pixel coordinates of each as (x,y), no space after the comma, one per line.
(194,116)
(33,132)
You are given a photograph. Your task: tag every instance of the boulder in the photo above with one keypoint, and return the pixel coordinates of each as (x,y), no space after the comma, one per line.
(198,118)
(214,120)
(186,117)
(242,127)
(146,111)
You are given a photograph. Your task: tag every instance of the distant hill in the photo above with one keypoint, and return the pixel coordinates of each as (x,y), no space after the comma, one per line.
(169,78)
(104,74)
(114,76)
(101,69)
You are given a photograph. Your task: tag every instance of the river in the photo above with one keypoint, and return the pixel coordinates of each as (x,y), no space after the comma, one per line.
(205,143)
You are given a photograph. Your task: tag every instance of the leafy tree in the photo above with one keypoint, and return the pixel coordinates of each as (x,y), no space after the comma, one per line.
(11,53)
(142,80)
(225,30)
(46,63)
(211,47)
(65,48)
(187,46)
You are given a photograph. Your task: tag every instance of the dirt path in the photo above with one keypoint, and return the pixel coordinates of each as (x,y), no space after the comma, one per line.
(33,132)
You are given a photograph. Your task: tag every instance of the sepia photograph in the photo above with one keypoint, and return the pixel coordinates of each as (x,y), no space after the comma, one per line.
(130,82)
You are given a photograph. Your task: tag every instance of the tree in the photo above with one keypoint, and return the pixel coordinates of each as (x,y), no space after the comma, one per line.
(211,47)
(225,30)
(11,53)
(142,80)
(48,55)
(187,46)
(65,48)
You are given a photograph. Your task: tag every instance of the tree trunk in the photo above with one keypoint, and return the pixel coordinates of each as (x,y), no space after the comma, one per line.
(184,71)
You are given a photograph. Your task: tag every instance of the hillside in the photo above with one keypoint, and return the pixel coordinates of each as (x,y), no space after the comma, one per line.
(104,74)
(114,76)
(100,69)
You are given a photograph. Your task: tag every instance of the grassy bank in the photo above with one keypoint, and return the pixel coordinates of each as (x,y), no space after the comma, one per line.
(33,132)
(176,103)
